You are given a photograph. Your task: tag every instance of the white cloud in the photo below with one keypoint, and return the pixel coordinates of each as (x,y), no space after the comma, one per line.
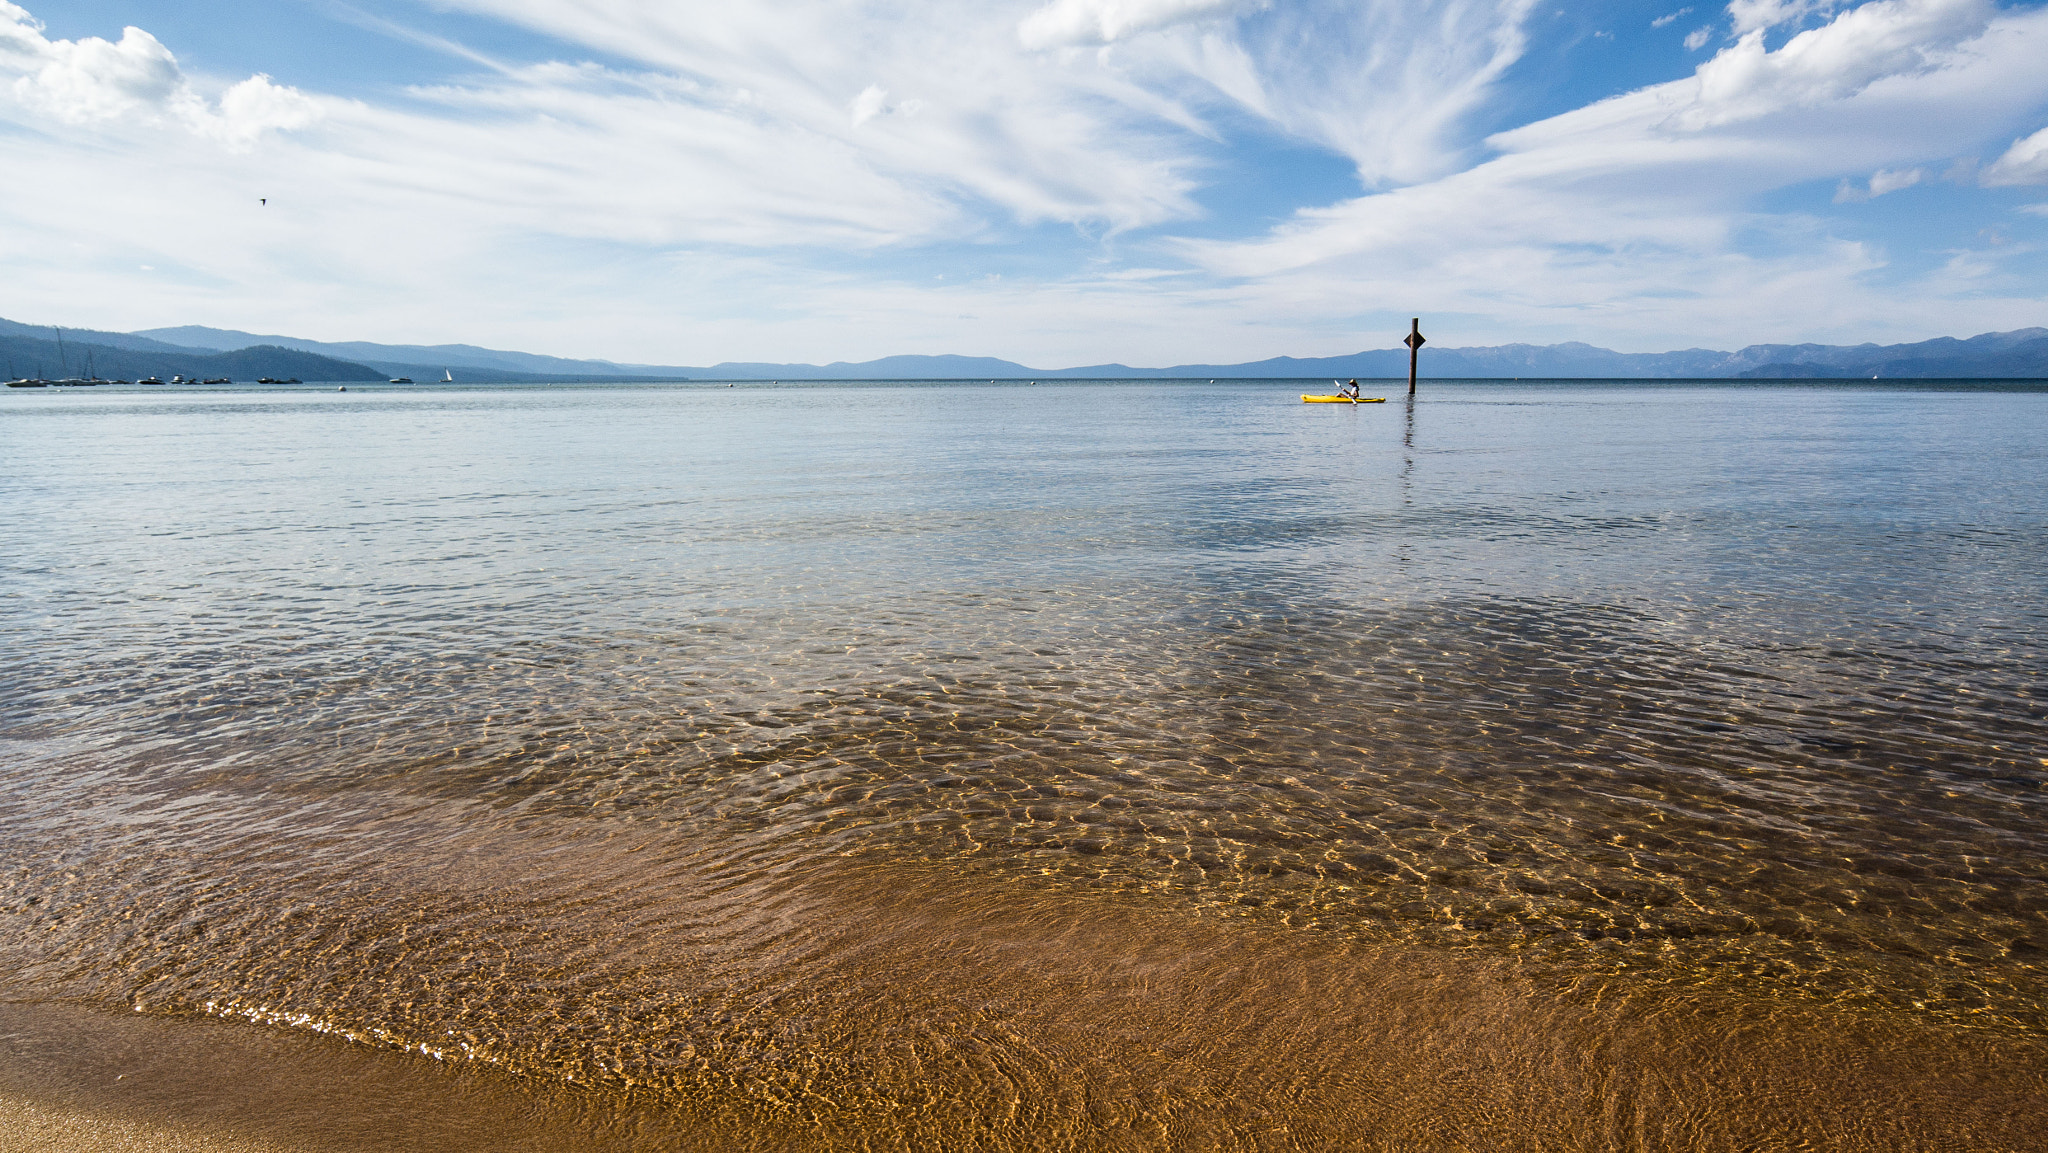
(1634,214)
(1867,44)
(95,81)
(1669,17)
(2026,162)
(871,102)
(79,82)
(1389,85)
(1755,15)
(1004,135)
(1881,182)
(1698,37)
(1068,23)
(255,106)
(698,165)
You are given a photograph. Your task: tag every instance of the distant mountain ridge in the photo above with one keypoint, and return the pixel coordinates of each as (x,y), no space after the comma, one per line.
(39,350)
(2020,354)
(51,359)
(416,360)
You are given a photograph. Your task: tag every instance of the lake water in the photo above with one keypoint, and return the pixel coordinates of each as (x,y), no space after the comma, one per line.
(1080,765)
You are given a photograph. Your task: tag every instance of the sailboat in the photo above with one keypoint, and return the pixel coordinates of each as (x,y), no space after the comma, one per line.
(447,377)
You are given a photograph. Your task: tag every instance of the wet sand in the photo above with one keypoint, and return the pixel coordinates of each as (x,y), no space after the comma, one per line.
(90,1080)
(28,1126)
(934,1014)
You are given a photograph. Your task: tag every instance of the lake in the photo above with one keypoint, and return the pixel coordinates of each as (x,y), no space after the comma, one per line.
(1073,765)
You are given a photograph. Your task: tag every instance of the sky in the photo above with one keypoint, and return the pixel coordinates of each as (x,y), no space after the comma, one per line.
(1055,182)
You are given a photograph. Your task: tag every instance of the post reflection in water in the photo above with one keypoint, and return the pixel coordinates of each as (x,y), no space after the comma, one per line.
(1401,550)
(1101,765)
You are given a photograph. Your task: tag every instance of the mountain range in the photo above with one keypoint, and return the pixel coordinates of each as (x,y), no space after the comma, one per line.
(196,351)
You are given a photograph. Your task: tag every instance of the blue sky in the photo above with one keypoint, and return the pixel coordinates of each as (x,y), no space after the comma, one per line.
(1057,182)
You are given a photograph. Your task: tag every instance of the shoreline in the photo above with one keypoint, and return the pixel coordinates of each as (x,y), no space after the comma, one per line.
(940,1012)
(84,1080)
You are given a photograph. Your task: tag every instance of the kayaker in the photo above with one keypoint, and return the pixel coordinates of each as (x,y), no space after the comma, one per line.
(1349,390)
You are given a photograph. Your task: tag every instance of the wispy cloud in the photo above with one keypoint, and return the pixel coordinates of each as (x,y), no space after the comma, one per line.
(1067,23)
(370,21)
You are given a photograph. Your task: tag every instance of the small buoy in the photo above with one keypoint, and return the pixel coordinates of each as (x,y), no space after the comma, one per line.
(343,388)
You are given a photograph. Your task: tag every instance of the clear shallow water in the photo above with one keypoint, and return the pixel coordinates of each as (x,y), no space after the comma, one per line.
(858,758)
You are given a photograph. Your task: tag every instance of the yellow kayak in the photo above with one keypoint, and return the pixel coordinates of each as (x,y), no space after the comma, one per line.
(1307,399)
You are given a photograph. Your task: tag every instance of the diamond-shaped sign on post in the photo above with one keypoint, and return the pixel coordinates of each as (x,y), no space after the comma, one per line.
(1414,340)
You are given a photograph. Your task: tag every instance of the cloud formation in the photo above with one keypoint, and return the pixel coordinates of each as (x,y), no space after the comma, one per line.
(1756,15)
(1068,23)
(93,81)
(2026,162)
(1882,39)
(812,181)
(1632,212)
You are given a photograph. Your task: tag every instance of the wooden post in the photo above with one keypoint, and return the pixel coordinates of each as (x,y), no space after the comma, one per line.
(1414,341)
